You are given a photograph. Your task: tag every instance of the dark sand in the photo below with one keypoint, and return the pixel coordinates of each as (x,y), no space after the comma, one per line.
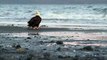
(14,29)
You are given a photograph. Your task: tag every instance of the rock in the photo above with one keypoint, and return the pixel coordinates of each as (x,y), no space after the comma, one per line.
(28,37)
(46,55)
(87,48)
(21,50)
(52,41)
(27,41)
(52,36)
(59,42)
(1,46)
(44,26)
(72,36)
(12,25)
(59,49)
(15,37)
(41,42)
(76,57)
(30,57)
(61,57)
(44,49)
(17,46)
(88,39)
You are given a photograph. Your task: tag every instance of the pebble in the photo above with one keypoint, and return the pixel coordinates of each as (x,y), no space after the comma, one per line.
(59,42)
(87,48)
(59,49)
(29,57)
(52,41)
(17,46)
(21,50)
(28,37)
(88,39)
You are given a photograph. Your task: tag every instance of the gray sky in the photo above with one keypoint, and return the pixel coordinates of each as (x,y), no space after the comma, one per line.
(52,1)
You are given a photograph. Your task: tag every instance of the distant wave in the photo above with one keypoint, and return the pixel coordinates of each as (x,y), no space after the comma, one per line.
(102,11)
(67,14)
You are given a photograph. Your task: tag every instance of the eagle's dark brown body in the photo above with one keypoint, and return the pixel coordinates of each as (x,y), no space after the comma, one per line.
(34,21)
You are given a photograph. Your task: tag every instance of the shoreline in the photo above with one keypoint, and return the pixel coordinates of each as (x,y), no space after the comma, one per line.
(17,29)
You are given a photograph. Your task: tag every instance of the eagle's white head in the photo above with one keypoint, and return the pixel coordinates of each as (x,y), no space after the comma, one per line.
(37,13)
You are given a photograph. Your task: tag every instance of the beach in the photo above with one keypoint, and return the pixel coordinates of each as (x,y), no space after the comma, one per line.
(67,32)
(52,43)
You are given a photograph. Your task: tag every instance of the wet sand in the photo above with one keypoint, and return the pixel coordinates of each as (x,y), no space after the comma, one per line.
(52,43)
(12,29)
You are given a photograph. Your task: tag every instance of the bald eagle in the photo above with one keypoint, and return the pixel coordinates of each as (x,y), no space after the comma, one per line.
(35,21)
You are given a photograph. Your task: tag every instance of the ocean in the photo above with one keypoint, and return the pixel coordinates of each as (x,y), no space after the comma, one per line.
(74,14)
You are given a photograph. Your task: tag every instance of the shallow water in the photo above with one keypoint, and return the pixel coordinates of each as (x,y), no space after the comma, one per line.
(57,14)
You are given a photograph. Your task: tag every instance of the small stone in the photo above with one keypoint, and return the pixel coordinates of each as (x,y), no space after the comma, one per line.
(28,37)
(52,41)
(44,49)
(72,36)
(29,57)
(87,48)
(26,41)
(17,46)
(12,25)
(21,50)
(59,42)
(41,42)
(1,46)
(61,57)
(76,57)
(88,39)
(46,55)
(59,49)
